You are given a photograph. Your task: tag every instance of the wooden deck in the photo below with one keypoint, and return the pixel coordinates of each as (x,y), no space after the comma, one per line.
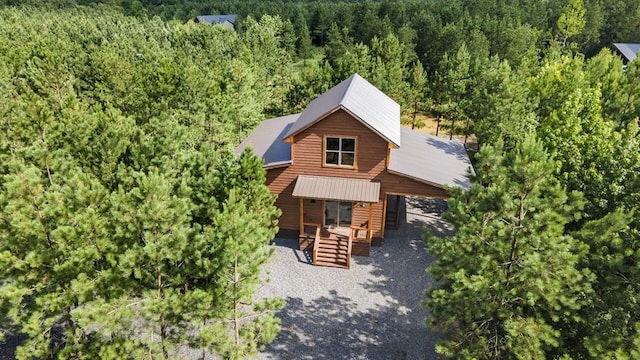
(334,247)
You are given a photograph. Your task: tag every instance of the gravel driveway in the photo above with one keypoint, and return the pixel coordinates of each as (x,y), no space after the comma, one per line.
(371,311)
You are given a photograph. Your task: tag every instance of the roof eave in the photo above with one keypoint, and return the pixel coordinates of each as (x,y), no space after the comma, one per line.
(276,165)
(289,136)
(424,181)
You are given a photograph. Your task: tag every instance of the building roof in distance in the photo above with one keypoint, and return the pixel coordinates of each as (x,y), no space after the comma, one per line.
(629,50)
(434,160)
(357,96)
(216,19)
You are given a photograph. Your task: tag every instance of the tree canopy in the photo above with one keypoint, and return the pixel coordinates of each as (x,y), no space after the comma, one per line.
(128,227)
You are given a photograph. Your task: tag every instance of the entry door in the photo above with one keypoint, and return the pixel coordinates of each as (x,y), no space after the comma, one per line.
(337,213)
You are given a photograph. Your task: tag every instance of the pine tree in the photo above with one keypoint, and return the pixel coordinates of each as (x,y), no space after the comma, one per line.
(508,278)
(416,96)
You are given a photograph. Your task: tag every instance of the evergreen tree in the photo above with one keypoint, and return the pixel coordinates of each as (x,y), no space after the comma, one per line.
(450,87)
(117,211)
(416,96)
(508,278)
(304,44)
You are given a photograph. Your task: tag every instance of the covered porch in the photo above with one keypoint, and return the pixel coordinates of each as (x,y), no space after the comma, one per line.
(335,217)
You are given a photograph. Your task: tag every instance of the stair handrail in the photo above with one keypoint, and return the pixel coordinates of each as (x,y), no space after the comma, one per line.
(349,243)
(316,244)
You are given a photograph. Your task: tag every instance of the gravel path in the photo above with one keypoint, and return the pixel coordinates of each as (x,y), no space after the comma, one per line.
(372,311)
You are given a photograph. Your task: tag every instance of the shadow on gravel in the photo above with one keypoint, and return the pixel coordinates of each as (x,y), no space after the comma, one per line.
(382,317)
(9,345)
(399,265)
(303,256)
(341,332)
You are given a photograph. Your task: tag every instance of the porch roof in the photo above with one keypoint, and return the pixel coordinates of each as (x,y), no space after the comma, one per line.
(336,188)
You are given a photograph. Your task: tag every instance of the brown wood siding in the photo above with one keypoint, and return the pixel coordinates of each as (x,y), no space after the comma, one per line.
(370,164)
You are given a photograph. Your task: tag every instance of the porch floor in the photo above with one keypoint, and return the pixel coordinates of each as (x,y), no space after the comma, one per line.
(358,247)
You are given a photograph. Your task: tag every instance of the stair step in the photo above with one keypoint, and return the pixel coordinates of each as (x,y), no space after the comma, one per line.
(331,264)
(333,247)
(323,257)
(333,253)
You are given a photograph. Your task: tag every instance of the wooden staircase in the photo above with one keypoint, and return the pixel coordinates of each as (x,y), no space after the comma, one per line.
(392,219)
(333,249)
(335,252)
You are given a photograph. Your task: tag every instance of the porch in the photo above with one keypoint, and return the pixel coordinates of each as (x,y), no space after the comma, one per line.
(336,217)
(334,246)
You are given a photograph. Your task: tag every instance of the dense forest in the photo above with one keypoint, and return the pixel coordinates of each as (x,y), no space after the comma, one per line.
(129,229)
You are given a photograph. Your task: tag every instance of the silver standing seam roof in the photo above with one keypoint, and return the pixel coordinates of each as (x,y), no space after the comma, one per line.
(218,19)
(334,188)
(629,50)
(267,141)
(431,159)
(422,157)
(357,96)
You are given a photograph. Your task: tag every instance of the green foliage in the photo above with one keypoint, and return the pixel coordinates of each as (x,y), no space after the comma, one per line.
(508,278)
(500,104)
(450,87)
(123,215)
(416,96)
(571,21)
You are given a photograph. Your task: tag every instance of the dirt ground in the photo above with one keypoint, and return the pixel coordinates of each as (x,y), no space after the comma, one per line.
(431,125)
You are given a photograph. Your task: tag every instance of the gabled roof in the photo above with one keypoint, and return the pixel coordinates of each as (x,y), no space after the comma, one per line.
(431,159)
(426,158)
(216,19)
(267,143)
(629,50)
(357,96)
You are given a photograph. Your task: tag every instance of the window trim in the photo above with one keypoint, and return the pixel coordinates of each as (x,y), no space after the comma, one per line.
(340,152)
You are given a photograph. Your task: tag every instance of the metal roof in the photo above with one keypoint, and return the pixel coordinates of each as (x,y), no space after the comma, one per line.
(334,188)
(218,19)
(629,50)
(431,159)
(356,95)
(267,143)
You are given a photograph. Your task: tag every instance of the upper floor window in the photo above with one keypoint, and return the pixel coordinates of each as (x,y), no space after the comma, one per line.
(340,151)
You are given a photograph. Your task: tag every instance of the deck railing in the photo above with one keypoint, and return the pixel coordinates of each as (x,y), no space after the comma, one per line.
(354,232)
(349,245)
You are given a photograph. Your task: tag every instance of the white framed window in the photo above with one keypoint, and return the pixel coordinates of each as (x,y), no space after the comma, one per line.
(340,151)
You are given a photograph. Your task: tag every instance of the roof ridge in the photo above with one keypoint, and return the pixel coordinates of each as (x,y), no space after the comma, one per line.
(344,96)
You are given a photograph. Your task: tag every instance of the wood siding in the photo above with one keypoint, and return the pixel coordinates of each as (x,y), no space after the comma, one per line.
(371,158)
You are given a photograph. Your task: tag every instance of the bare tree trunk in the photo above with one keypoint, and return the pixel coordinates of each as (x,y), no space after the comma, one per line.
(453,124)
(437,123)
(466,132)
(236,302)
(415,112)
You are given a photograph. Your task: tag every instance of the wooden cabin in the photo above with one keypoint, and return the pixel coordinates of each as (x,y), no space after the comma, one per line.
(337,166)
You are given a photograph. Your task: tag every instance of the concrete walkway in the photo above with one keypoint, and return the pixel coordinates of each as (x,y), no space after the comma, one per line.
(372,311)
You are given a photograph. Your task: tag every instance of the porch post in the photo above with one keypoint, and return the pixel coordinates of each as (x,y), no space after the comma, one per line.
(398,210)
(370,223)
(384,213)
(301,216)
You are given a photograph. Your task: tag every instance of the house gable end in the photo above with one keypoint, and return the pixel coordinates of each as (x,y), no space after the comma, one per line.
(363,101)
(309,146)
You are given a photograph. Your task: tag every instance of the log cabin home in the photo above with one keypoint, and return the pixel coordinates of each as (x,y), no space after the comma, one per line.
(339,168)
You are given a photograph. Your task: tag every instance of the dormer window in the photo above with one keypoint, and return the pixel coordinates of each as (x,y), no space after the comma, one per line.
(340,151)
